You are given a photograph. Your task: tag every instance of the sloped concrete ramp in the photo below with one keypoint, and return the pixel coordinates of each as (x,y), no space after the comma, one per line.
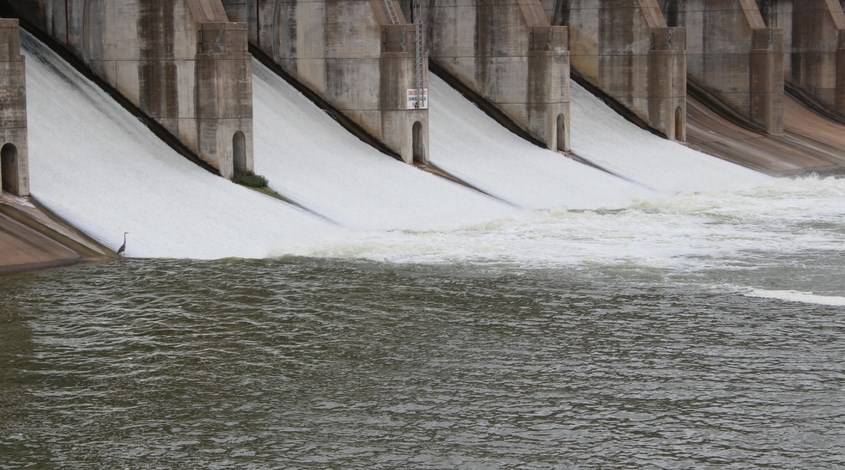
(31,238)
(810,143)
(815,130)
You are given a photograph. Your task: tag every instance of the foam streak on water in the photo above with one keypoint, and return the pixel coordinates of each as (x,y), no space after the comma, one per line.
(799,297)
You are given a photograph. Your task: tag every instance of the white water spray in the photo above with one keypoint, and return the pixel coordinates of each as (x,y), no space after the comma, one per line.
(105,172)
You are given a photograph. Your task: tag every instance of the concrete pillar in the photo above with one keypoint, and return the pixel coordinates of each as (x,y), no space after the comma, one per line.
(818,47)
(734,57)
(14,156)
(224,95)
(508,53)
(814,41)
(358,55)
(180,61)
(626,49)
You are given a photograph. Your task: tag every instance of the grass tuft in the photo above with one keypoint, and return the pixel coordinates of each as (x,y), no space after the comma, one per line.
(249,179)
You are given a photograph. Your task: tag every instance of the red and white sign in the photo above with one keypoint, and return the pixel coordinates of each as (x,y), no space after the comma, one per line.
(414,102)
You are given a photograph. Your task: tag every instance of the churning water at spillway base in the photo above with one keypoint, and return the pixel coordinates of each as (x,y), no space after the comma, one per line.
(672,323)
(102,170)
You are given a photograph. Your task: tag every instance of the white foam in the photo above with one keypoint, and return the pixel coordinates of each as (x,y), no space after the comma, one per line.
(797,297)
(309,158)
(101,169)
(685,232)
(469,144)
(602,136)
(98,167)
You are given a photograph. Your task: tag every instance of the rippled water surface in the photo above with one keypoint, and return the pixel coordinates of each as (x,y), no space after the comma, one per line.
(306,362)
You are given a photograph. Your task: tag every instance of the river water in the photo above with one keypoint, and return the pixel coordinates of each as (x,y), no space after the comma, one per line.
(701,330)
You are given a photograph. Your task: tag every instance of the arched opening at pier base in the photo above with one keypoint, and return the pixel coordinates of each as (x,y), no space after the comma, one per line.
(679,124)
(561,133)
(418,145)
(239,152)
(9,168)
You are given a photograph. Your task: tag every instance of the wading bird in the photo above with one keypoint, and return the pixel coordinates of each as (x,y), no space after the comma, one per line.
(120,251)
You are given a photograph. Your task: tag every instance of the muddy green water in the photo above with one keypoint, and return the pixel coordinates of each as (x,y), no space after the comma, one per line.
(318,363)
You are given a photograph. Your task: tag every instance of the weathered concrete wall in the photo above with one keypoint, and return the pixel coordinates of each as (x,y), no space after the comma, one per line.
(734,56)
(625,48)
(14,161)
(814,40)
(355,54)
(507,52)
(180,61)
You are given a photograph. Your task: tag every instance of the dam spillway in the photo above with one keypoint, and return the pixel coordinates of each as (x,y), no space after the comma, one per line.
(14,150)
(182,64)
(200,217)
(310,160)
(97,166)
(628,303)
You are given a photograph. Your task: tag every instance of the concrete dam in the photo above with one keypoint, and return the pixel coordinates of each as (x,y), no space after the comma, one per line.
(381,115)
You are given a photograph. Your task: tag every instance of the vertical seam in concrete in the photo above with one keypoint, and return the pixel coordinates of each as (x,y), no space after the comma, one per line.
(86,34)
(67,24)
(274,46)
(481,46)
(257,23)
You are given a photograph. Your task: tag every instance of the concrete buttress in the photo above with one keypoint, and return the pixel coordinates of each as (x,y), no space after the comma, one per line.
(814,37)
(626,49)
(508,53)
(182,62)
(359,56)
(733,56)
(14,161)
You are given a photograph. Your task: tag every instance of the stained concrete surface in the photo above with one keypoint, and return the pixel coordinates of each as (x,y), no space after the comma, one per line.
(23,249)
(810,143)
(31,238)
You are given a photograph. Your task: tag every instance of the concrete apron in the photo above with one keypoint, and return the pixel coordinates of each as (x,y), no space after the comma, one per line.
(32,238)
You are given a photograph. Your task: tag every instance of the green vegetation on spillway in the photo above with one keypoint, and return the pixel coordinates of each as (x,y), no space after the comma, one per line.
(249,179)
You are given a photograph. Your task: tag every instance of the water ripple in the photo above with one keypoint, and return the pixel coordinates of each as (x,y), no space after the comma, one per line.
(321,363)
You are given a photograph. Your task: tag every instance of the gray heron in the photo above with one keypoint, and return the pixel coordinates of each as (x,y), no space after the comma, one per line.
(122,249)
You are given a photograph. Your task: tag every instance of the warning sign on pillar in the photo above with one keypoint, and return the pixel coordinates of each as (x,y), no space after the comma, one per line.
(415,101)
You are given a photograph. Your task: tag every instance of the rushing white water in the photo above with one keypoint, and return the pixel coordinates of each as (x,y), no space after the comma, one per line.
(310,159)
(98,167)
(603,137)
(102,170)
(467,143)
(681,329)
(737,229)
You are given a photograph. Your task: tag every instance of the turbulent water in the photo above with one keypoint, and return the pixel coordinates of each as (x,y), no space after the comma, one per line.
(699,330)
(432,327)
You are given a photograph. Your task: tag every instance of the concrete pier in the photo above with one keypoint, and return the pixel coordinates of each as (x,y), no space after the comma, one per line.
(14,161)
(360,56)
(814,40)
(734,57)
(181,62)
(626,49)
(508,53)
